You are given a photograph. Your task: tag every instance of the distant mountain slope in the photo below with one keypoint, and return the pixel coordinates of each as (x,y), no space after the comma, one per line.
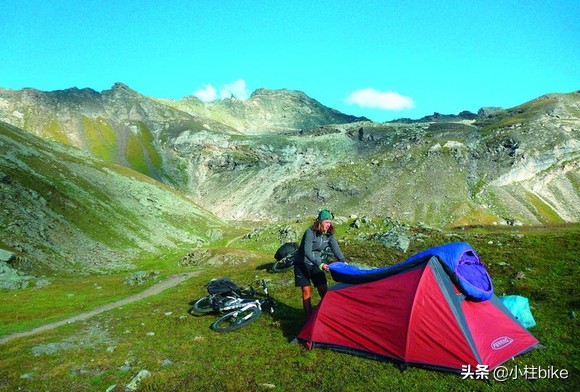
(122,126)
(118,125)
(440,173)
(65,210)
(269,111)
(536,148)
(281,154)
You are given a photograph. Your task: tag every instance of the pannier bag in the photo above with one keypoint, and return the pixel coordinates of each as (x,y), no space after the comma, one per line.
(222,286)
(285,250)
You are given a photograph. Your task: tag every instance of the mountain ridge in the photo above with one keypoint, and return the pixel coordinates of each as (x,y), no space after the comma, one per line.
(281,154)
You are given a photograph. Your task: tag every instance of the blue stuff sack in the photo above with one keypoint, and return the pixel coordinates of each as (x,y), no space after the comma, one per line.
(520,307)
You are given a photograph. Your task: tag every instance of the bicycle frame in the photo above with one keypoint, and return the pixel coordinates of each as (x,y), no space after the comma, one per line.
(255,303)
(238,304)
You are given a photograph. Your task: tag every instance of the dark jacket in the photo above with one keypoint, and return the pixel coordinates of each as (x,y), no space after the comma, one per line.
(313,244)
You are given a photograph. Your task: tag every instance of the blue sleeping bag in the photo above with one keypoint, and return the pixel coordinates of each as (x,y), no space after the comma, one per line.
(458,259)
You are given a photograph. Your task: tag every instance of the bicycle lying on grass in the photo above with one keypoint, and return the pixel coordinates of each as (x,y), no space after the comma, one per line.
(239,307)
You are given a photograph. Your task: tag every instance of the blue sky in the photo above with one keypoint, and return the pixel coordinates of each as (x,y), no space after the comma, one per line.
(379,59)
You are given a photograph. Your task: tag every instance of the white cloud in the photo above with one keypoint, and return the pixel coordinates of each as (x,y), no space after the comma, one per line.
(235,89)
(371,98)
(206,94)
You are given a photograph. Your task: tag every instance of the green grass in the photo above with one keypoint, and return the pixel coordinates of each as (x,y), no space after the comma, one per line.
(29,308)
(521,114)
(53,131)
(101,138)
(136,155)
(183,354)
(140,151)
(545,213)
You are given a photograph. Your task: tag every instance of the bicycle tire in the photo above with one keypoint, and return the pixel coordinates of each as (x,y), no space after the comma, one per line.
(236,320)
(203,305)
(282,266)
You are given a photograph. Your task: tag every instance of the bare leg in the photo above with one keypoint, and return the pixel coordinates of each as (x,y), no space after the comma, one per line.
(306,300)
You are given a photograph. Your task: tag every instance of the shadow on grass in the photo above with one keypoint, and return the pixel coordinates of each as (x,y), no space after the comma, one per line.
(290,319)
(268,267)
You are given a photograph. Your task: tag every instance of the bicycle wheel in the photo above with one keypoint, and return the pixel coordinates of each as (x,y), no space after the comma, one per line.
(236,320)
(282,266)
(203,305)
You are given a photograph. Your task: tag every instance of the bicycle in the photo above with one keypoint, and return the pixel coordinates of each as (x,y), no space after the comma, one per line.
(287,262)
(241,307)
(285,256)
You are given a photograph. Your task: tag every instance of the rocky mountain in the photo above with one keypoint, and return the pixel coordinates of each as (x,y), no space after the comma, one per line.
(63,209)
(281,155)
(268,111)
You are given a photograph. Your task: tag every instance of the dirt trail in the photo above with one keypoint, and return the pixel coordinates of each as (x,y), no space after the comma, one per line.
(234,239)
(172,281)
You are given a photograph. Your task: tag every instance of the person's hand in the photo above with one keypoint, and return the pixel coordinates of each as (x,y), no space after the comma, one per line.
(325,267)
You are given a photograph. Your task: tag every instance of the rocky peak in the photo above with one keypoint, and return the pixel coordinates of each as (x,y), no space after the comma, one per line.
(278,93)
(120,90)
(489,111)
(74,95)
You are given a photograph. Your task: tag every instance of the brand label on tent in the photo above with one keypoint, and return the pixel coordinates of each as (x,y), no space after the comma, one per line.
(500,343)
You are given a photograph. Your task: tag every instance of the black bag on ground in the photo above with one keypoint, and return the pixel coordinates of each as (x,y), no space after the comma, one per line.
(285,250)
(222,286)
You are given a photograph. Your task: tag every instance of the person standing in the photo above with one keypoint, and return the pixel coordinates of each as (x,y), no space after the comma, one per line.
(309,266)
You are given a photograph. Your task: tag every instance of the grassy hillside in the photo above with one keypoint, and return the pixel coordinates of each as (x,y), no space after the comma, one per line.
(63,210)
(182,354)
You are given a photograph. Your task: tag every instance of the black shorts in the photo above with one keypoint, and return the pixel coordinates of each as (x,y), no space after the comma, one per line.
(304,273)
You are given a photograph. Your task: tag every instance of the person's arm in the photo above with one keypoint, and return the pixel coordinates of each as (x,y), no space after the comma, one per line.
(335,248)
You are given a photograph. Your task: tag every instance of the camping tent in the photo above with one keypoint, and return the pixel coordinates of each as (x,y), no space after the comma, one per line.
(419,313)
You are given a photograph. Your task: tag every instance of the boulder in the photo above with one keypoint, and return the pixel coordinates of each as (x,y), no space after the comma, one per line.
(6,256)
